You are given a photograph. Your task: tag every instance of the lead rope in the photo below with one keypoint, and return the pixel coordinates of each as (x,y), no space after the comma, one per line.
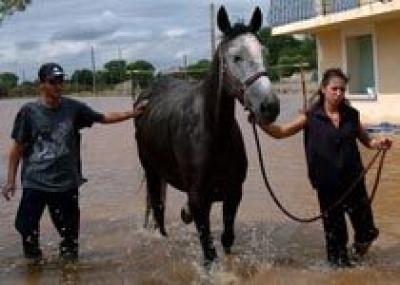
(381,153)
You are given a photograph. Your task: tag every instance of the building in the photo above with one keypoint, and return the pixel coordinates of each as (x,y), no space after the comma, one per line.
(360,36)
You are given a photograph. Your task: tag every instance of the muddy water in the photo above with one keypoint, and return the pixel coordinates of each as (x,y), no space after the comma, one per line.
(269,248)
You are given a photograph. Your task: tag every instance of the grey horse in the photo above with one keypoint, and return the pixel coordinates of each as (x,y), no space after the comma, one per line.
(188,136)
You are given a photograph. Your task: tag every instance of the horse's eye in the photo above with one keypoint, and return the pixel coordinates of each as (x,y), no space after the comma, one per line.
(237,58)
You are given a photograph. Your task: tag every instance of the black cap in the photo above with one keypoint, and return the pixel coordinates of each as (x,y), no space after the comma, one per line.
(50,70)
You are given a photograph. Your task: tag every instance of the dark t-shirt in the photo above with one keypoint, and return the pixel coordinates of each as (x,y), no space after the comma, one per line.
(332,153)
(51,157)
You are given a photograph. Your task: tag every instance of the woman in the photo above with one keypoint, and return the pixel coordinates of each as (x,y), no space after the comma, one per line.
(331,129)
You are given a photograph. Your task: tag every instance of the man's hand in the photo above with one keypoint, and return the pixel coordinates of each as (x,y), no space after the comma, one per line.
(140,107)
(8,190)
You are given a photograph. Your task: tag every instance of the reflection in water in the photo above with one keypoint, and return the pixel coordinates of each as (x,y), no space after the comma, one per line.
(69,274)
(269,248)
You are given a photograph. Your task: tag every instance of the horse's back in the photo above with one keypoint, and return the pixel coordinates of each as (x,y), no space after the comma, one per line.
(168,89)
(163,131)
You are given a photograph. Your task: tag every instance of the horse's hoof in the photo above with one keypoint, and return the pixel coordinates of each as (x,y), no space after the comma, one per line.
(227,241)
(227,250)
(210,254)
(163,232)
(210,263)
(186,215)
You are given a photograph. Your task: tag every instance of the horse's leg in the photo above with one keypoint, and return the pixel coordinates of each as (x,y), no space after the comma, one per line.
(156,188)
(200,207)
(186,214)
(231,203)
(147,210)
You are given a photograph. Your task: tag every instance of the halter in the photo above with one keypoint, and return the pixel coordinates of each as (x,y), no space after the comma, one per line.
(239,88)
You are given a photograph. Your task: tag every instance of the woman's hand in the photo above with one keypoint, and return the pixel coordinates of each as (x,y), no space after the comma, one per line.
(383,143)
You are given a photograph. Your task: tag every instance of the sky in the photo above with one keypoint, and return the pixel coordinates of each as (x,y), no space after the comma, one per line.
(159,31)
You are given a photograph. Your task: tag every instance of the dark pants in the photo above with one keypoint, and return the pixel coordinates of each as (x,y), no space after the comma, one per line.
(360,214)
(64,213)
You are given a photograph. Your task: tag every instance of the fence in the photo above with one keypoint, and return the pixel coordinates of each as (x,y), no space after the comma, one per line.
(300,79)
(288,11)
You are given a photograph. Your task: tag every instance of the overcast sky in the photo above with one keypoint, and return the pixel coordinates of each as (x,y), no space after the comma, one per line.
(159,31)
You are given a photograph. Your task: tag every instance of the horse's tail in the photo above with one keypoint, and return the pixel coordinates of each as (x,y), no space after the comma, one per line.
(155,204)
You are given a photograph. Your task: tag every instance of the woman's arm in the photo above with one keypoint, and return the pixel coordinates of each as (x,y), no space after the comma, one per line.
(286,130)
(373,143)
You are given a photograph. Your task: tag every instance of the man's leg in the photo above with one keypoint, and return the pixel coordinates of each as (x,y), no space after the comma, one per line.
(65,214)
(27,221)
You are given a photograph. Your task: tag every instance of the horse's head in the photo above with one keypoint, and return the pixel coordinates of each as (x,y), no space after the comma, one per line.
(242,63)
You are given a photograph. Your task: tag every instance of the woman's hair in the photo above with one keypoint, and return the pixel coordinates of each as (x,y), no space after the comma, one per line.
(318,98)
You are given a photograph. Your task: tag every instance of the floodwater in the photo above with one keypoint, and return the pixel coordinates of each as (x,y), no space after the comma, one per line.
(269,248)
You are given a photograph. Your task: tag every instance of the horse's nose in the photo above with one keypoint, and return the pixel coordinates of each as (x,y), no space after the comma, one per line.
(270,109)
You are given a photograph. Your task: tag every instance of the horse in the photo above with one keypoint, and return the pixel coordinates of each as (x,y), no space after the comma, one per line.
(188,136)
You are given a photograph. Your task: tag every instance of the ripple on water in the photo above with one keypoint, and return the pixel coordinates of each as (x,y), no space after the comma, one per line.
(269,249)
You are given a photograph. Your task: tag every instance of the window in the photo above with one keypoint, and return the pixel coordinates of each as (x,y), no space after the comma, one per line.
(360,65)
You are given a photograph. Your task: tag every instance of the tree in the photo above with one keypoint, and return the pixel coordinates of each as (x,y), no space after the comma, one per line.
(141,65)
(24,89)
(102,80)
(83,79)
(9,7)
(199,69)
(309,51)
(284,52)
(116,71)
(142,72)
(8,81)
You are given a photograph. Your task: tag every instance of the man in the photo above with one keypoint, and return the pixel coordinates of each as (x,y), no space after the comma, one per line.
(46,137)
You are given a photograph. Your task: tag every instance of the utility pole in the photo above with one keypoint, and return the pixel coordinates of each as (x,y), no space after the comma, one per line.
(185,66)
(119,53)
(93,70)
(303,87)
(212,28)
(120,61)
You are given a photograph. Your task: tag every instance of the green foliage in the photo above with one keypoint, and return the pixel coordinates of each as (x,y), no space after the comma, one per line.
(8,81)
(82,80)
(199,69)
(284,52)
(9,7)
(115,71)
(141,72)
(102,80)
(141,65)
(26,88)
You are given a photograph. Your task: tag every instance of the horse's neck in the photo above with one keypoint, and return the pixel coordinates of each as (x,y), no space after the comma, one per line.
(219,108)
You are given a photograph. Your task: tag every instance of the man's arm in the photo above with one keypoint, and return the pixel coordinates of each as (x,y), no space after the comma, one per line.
(14,157)
(286,130)
(116,117)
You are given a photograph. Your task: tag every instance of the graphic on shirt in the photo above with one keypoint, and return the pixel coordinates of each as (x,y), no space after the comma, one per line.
(53,143)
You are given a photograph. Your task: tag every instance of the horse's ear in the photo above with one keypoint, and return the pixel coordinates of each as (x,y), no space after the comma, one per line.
(256,20)
(224,24)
